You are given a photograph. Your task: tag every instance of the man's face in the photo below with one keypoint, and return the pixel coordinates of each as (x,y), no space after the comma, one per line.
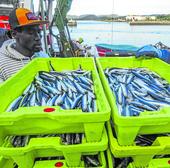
(30,38)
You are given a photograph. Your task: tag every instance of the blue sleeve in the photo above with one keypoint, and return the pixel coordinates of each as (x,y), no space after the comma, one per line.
(165,55)
(149,50)
(40,54)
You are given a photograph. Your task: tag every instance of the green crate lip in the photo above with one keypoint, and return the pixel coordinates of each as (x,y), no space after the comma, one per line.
(101,155)
(103,115)
(39,114)
(154,162)
(159,116)
(133,151)
(54,143)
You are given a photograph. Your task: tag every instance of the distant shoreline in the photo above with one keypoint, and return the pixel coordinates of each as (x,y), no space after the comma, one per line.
(149,23)
(131,23)
(142,23)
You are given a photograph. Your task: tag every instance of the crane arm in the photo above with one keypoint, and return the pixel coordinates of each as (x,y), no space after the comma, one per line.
(61,10)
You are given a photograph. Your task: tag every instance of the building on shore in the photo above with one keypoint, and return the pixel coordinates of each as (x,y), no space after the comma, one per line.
(139,18)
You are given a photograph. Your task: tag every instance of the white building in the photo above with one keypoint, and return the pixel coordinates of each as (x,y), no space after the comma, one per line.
(139,18)
(152,17)
(135,18)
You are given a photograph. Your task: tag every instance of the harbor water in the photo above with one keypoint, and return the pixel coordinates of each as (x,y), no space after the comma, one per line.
(120,33)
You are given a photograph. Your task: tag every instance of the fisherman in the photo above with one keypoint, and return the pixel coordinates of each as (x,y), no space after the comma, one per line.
(25,45)
(79,49)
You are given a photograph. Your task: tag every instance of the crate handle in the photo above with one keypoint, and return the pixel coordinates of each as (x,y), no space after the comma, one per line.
(44,142)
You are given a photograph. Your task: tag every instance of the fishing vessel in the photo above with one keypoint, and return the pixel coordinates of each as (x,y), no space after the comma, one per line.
(72,22)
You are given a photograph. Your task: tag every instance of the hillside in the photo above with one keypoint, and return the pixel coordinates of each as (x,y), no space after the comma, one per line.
(91,17)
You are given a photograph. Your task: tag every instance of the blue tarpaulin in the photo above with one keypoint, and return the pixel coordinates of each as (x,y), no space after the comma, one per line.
(120,47)
(152,51)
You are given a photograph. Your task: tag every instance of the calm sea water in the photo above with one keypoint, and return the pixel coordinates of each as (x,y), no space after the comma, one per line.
(120,33)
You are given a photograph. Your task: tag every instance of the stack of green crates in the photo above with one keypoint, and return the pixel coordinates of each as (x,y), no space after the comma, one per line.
(33,120)
(127,128)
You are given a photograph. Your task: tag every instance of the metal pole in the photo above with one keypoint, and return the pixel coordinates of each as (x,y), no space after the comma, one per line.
(44,26)
(50,9)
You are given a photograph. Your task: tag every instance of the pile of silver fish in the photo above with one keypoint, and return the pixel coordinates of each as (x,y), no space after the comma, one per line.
(68,89)
(138,90)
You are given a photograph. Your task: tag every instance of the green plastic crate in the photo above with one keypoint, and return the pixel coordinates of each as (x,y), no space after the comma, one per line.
(127,128)
(155,163)
(54,163)
(141,155)
(33,120)
(52,147)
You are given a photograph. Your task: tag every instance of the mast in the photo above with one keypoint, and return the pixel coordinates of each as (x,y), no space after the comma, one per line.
(61,10)
(44,26)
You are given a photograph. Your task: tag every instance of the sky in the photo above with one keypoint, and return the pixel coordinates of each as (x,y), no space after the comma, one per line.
(120,7)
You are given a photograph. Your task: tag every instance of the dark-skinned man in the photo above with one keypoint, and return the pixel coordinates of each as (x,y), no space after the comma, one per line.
(16,53)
